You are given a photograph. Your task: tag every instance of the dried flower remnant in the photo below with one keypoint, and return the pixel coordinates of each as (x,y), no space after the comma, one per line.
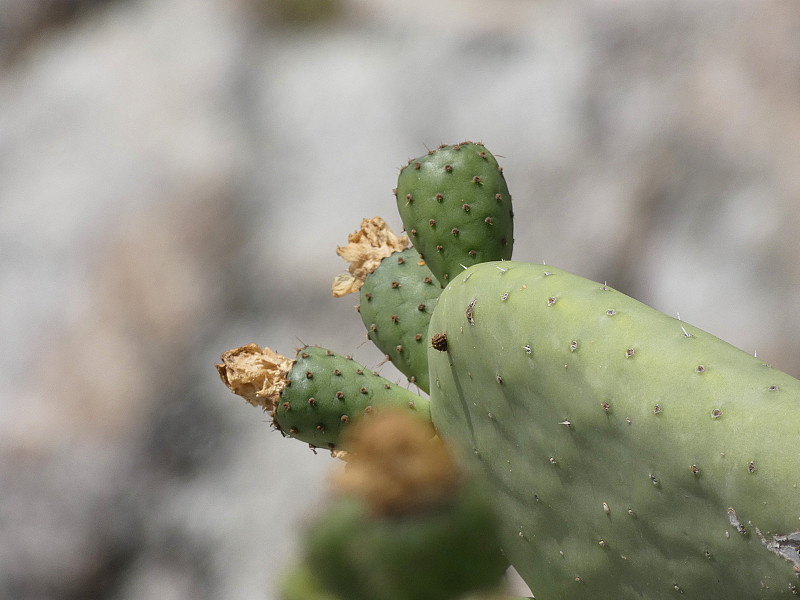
(364,251)
(257,374)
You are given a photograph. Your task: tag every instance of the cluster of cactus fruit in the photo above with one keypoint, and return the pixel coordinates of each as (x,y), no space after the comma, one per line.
(607,450)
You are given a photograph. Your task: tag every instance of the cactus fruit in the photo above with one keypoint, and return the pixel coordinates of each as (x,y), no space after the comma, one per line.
(315,396)
(398,294)
(406,525)
(633,455)
(455,205)
(397,301)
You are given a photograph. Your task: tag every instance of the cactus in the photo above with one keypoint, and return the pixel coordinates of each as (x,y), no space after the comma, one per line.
(398,293)
(627,454)
(406,524)
(397,301)
(633,455)
(315,396)
(455,204)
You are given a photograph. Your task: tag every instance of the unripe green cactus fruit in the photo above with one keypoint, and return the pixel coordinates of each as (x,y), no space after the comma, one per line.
(398,293)
(634,456)
(456,208)
(407,526)
(316,396)
(397,301)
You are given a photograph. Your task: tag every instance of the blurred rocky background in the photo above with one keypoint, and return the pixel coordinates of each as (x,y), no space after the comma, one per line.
(176,174)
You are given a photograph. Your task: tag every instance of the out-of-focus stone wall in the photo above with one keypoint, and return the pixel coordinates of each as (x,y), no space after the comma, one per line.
(175,177)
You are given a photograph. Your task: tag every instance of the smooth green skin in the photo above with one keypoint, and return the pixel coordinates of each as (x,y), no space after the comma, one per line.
(322,375)
(397,301)
(440,554)
(451,230)
(507,384)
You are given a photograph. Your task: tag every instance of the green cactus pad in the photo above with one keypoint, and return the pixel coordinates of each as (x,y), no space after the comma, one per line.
(456,208)
(328,391)
(633,455)
(397,301)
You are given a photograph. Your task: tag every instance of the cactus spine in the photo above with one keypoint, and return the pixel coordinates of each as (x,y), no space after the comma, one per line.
(633,455)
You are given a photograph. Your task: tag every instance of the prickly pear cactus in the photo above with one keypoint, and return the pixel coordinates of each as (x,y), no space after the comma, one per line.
(316,396)
(632,455)
(407,525)
(397,301)
(456,207)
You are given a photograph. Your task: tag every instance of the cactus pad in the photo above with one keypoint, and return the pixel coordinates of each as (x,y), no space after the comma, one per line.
(633,455)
